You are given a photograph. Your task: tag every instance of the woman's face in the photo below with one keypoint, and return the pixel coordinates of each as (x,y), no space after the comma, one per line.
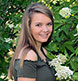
(41,27)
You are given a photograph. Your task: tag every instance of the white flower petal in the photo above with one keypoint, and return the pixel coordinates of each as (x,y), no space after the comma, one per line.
(65,12)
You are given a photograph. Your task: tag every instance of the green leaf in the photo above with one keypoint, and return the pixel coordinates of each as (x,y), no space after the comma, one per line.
(76,51)
(75,76)
(70,48)
(76,17)
(74,9)
(63,36)
(68,45)
(51,56)
(52,47)
(74,64)
(61,47)
(76,58)
(1,79)
(66,54)
(57,25)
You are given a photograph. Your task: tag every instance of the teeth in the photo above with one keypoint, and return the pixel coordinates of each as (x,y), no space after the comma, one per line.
(44,35)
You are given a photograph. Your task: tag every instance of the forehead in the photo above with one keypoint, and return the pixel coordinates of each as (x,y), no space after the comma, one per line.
(40,17)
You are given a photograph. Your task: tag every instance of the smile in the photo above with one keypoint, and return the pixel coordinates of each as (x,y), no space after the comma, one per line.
(44,35)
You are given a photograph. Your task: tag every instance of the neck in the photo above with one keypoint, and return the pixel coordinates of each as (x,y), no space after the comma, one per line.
(39,45)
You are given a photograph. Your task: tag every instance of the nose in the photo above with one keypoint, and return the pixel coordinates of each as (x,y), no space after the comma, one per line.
(45,29)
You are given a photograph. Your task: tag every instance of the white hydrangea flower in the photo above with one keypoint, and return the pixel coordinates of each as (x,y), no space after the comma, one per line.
(61,58)
(77,28)
(63,72)
(65,12)
(7,40)
(2,76)
(54,62)
(11,25)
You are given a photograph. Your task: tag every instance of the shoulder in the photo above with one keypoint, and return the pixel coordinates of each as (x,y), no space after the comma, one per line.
(31,55)
(45,51)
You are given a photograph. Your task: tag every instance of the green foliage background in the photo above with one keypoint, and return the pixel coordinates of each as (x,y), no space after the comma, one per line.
(64,39)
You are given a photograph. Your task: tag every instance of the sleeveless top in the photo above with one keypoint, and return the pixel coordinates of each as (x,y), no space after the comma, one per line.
(34,69)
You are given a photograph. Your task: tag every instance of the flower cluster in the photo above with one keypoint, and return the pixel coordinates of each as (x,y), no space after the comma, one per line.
(7,40)
(11,25)
(62,72)
(65,12)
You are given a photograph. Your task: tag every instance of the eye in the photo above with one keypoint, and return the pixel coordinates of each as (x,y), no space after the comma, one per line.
(49,24)
(38,25)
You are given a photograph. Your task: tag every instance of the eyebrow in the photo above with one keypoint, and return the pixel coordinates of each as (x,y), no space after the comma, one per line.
(50,22)
(41,22)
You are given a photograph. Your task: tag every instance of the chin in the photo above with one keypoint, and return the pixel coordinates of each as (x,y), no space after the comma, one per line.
(44,41)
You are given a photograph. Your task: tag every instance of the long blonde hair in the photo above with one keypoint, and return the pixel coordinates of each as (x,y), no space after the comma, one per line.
(26,40)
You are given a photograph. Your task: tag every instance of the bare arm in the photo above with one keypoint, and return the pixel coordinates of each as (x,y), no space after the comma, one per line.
(31,55)
(26,79)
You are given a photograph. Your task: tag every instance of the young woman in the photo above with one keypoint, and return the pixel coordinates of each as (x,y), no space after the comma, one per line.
(30,62)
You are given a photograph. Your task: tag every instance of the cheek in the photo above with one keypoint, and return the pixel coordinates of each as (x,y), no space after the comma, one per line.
(34,33)
(50,30)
